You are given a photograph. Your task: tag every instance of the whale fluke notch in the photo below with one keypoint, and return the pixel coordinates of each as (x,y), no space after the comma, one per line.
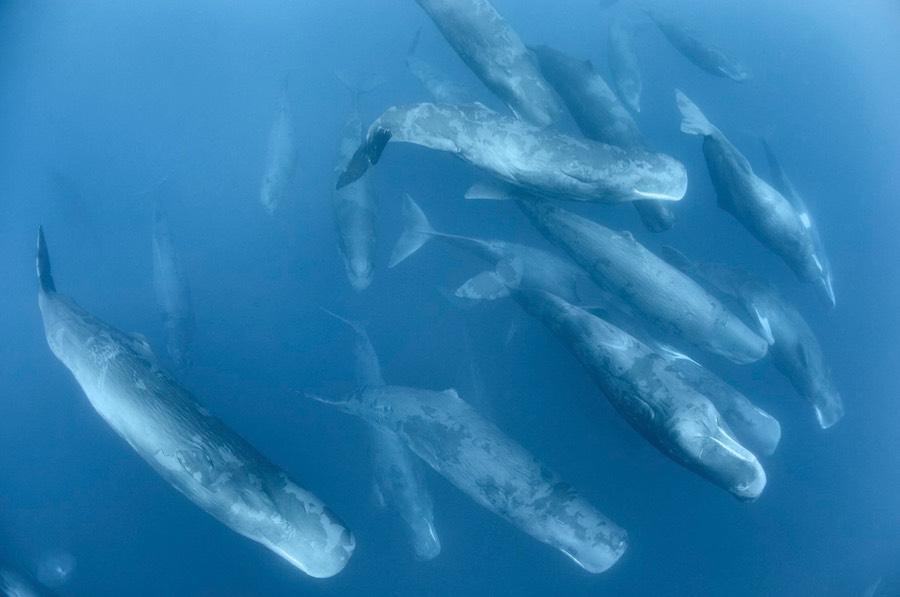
(43,263)
(367,153)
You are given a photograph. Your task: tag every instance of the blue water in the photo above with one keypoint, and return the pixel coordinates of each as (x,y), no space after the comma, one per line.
(98,100)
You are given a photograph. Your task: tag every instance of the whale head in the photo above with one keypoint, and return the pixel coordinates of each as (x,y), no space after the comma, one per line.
(707,446)
(360,272)
(423,536)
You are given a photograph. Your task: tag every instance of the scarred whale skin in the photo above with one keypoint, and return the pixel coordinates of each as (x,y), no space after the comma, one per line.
(542,161)
(651,395)
(187,446)
(492,469)
(398,481)
(600,116)
(657,290)
(491,48)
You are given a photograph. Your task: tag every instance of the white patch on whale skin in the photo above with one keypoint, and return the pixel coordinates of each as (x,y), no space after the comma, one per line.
(804,219)
(765,325)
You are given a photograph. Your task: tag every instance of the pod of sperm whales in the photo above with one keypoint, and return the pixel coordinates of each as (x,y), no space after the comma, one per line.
(623,62)
(354,206)
(281,154)
(441,88)
(398,481)
(795,352)
(541,269)
(663,295)
(601,117)
(824,284)
(702,53)
(491,48)
(187,446)
(173,294)
(644,388)
(542,161)
(492,469)
(754,203)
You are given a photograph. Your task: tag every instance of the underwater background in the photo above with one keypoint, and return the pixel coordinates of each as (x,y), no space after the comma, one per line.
(100,100)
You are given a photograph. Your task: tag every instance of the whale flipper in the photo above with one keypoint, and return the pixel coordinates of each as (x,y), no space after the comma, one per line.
(43,263)
(367,153)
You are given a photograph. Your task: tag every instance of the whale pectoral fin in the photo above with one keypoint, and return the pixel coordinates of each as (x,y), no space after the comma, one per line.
(140,343)
(803,355)
(765,326)
(367,153)
(491,190)
(378,495)
(450,393)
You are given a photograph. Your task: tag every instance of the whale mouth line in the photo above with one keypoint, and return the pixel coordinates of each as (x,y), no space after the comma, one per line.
(657,196)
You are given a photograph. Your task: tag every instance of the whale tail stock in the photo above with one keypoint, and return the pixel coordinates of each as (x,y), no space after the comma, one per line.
(43,263)
(367,153)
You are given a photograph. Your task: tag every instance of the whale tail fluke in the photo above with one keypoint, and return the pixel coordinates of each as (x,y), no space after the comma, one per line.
(367,153)
(360,83)
(416,231)
(693,122)
(491,285)
(43,263)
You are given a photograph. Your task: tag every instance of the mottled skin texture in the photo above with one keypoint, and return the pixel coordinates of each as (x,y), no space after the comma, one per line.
(659,292)
(542,161)
(173,294)
(281,155)
(623,62)
(398,480)
(651,395)
(492,469)
(190,448)
(490,47)
(824,283)
(704,55)
(355,211)
(796,352)
(600,116)
(756,429)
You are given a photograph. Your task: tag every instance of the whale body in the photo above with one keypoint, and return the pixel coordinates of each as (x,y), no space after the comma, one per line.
(184,443)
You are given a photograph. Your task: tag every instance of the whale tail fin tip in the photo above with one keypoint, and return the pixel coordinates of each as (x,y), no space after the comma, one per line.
(43,263)
(417,231)
(693,122)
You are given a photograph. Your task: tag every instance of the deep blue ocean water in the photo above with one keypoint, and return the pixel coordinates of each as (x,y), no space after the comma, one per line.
(98,100)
